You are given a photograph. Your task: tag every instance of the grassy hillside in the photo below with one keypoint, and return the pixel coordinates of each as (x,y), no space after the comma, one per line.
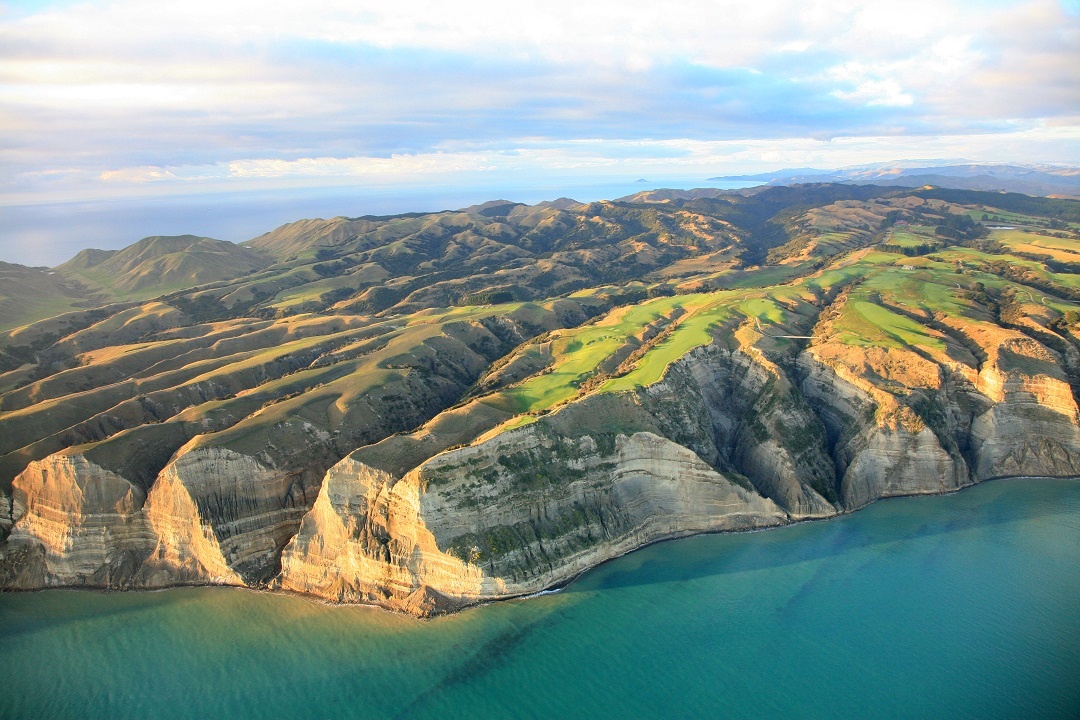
(28,294)
(156,265)
(351,330)
(809,349)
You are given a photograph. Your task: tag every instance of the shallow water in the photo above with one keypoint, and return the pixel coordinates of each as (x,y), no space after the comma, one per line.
(960,606)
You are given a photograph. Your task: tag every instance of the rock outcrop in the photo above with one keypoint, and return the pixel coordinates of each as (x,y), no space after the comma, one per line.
(881,448)
(744,414)
(215,513)
(514,515)
(1032,428)
(76,524)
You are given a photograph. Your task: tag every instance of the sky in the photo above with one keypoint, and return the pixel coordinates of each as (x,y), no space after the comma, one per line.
(138,99)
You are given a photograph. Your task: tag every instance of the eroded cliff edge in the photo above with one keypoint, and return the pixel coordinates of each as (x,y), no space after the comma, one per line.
(531,507)
(727,439)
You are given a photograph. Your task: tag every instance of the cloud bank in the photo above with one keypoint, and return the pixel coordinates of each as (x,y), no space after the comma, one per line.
(130,97)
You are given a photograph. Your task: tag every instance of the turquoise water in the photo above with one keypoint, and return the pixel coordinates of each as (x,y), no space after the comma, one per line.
(962,606)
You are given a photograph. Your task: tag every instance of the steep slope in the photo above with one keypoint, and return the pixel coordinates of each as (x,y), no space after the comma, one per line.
(438,539)
(231,432)
(920,401)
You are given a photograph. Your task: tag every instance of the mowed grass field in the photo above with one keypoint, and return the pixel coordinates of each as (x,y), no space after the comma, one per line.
(691,332)
(869,324)
(581,351)
(862,322)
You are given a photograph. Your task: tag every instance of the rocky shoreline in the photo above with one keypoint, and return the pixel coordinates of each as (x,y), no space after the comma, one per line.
(529,508)
(327,602)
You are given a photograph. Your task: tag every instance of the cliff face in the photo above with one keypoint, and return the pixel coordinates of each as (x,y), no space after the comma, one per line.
(1033,427)
(744,414)
(213,516)
(364,541)
(881,448)
(76,524)
(902,423)
(215,513)
(513,515)
(217,492)
(726,440)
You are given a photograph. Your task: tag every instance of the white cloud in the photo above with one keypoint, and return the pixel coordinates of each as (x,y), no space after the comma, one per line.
(137,175)
(246,91)
(401,165)
(631,34)
(886,93)
(464,166)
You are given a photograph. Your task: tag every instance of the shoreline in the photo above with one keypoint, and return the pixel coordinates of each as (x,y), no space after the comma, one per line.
(550,590)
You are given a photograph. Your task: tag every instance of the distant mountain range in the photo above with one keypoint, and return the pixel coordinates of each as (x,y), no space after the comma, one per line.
(1052,180)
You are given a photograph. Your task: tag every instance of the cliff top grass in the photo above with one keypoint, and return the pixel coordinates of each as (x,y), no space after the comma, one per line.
(864,323)
(907,238)
(691,332)
(578,353)
(865,320)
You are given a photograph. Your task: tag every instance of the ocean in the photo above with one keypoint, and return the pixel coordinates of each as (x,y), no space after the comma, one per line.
(958,606)
(48,234)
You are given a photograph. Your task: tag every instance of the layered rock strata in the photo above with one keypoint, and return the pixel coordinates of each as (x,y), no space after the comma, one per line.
(511,516)
(76,524)
(730,438)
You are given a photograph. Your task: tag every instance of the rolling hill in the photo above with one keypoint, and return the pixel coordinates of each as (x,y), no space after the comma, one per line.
(157,264)
(427,411)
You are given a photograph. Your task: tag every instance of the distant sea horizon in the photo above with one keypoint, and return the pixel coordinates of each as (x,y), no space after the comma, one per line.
(46,234)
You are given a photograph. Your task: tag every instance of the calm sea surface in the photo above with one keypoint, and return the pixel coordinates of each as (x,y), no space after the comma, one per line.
(963,606)
(52,233)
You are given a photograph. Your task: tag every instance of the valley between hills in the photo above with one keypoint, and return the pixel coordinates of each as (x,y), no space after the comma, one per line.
(433,410)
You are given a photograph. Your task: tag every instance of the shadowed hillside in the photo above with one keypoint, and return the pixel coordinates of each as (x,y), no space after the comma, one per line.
(158,264)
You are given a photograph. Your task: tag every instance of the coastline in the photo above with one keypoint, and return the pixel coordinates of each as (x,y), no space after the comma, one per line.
(550,590)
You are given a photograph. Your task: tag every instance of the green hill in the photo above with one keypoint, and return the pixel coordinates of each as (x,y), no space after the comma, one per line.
(155,265)
(28,294)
